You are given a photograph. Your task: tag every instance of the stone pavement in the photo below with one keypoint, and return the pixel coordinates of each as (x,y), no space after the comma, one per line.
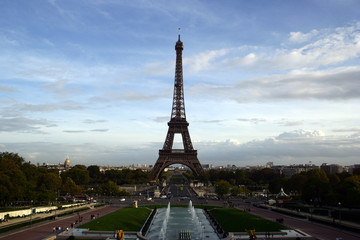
(324,219)
(37,216)
(319,231)
(44,230)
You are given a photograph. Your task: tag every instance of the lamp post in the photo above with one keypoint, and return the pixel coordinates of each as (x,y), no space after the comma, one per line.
(339,203)
(31,212)
(311,209)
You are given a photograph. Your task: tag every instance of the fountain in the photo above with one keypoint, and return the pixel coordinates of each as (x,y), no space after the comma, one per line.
(165,222)
(196,220)
(171,222)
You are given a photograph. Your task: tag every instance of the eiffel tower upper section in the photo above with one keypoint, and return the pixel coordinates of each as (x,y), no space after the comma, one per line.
(178,123)
(178,106)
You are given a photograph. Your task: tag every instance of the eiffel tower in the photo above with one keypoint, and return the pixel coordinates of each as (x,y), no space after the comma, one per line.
(177,125)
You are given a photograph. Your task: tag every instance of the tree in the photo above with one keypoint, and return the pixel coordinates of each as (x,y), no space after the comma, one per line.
(222,188)
(204,177)
(356,171)
(114,175)
(69,186)
(94,173)
(241,177)
(189,175)
(78,174)
(128,176)
(13,156)
(110,189)
(5,188)
(50,181)
(45,194)
(15,181)
(235,191)
(276,184)
(141,176)
(297,182)
(316,187)
(352,188)
(263,176)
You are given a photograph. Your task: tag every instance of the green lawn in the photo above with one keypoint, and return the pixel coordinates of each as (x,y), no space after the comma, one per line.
(127,219)
(233,220)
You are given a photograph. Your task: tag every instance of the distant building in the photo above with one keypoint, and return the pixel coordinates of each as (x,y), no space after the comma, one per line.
(288,171)
(350,169)
(60,167)
(67,163)
(331,168)
(269,164)
(207,166)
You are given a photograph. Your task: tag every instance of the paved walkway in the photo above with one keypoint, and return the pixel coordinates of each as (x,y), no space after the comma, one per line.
(45,229)
(319,231)
(37,216)
(324,219)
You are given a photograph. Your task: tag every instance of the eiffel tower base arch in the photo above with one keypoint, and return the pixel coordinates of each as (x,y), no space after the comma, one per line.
(167,158)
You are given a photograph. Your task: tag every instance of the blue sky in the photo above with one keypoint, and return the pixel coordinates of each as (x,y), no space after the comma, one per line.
(264,80)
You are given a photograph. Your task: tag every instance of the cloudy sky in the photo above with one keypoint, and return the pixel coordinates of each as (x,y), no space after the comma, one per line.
(264,80)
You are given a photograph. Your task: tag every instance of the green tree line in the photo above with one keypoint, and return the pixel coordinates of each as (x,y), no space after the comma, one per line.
(23,181)
(314,186)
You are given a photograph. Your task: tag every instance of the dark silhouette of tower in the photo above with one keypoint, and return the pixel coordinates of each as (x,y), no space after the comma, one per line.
(177,125)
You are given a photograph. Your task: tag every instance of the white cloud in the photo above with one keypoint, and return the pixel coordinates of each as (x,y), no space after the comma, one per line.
(88,153)
(204,61)
(296,134)
(162,119)
(318,48)
(298,146)
(347,130)
(330,47)
(48,42)
(99,130)
(217,121)
(329,84)
(136,96)
(299,37)
(8,89)
(49,107)
(290,123)
(92,121)
(74,131)
(158,68)
(252,120)
(24,125)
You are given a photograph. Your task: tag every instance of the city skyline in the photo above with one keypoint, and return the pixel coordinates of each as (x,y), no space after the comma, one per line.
(264,81)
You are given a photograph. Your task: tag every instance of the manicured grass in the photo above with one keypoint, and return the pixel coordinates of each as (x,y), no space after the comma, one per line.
(127,219)
(233,220)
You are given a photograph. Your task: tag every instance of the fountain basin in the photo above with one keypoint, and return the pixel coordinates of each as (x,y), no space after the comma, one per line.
(179,220)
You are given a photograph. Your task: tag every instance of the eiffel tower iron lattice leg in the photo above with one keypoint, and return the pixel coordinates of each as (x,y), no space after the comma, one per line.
(177,125)
(167,159)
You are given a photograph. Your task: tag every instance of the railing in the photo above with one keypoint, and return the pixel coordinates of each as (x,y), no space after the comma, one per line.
(177,151)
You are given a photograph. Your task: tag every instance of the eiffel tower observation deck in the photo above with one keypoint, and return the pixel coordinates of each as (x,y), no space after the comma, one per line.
(177,125)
